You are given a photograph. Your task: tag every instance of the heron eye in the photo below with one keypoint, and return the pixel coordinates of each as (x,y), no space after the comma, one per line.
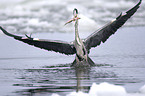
(75,12)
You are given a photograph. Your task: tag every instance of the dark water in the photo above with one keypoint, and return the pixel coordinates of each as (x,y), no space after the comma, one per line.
(29,71)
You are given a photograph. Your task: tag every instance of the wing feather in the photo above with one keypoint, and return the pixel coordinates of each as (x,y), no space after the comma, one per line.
(105,32)
(50,45)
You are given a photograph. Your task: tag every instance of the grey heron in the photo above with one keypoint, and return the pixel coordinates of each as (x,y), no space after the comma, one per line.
(79,47)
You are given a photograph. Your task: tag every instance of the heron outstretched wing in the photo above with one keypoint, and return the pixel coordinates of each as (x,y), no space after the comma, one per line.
(105,32)
(50,45)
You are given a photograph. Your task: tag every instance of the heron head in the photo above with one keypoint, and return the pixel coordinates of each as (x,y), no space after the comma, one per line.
(75,14)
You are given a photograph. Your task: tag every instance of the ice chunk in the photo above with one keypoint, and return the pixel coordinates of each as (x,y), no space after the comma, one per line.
(142,89)
(54,94)
(106,89)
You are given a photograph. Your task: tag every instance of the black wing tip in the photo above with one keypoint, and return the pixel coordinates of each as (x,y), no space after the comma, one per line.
(130,12)
(9,34)
(140,1)
(136,6)
(5,32)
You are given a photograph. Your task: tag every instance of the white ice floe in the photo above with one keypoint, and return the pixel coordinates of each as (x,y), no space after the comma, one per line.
(142,89)
(54,94)
(106,89)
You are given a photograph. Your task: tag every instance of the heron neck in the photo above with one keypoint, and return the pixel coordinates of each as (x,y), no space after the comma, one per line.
(76,30)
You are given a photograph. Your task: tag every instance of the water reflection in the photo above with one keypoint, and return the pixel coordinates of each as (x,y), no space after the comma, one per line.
(60,79)
(82,75)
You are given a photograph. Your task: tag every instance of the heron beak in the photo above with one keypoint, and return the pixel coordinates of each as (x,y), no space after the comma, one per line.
(74,19)
(68,22)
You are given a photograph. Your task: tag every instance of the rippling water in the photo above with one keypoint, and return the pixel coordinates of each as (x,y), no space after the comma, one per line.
(29,71)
